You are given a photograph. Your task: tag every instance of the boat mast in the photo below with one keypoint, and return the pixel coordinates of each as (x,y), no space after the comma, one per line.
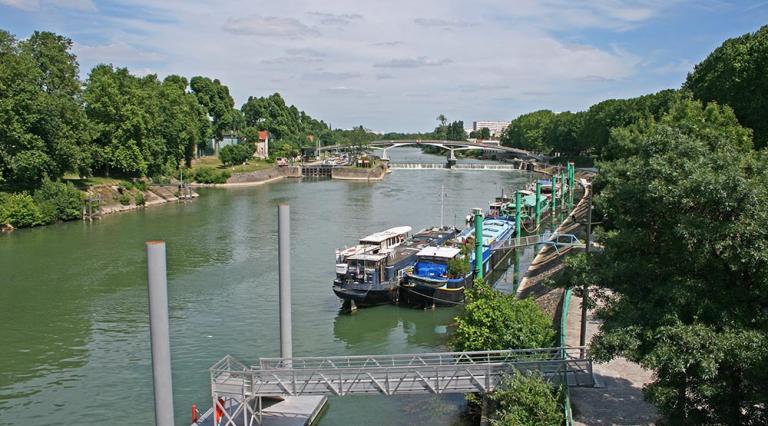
(442,202)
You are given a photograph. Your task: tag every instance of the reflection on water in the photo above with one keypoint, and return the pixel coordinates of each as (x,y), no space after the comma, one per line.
(73,300)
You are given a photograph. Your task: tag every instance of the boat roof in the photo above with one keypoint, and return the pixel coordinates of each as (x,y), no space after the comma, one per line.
(444,252)
(545,182)
(369,257)
(379,237)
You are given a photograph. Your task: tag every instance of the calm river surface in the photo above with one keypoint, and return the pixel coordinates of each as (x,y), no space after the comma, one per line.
(74,340)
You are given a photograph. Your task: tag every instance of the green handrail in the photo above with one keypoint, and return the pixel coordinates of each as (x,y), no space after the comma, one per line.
(563,328)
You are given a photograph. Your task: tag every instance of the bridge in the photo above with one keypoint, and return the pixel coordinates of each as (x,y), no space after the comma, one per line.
(450,146)
(517,165)
(237,389)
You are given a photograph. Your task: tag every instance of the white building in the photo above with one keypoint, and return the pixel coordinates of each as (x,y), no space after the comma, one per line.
(496,127)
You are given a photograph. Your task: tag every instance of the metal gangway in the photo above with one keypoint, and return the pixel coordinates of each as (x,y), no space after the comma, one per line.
(237,389)
(555,240)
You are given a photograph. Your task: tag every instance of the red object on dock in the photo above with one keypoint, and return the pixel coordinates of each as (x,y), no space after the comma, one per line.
(194,413)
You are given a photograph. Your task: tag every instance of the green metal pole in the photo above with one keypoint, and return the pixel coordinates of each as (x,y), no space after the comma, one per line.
(538,204)
(562,189)
(554,196)
(571,175)
(517,214)
(478,243)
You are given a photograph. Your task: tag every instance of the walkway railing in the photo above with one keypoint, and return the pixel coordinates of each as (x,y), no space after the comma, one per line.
(448,372)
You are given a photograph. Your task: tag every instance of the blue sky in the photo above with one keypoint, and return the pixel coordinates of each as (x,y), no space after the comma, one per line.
(397,64)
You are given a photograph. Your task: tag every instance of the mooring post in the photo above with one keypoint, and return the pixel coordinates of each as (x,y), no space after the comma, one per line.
(518,229)
(585,289)
(571,177)
(562,188)
(159,330)
(478,242)
(538,205)
(554,196)
(284,258)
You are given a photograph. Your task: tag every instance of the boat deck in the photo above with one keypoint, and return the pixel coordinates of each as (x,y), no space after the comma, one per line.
(290,411)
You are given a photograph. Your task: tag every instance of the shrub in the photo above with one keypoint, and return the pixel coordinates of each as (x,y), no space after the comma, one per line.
(126,185)
(59,201)
(141,185)
(458,267)
(232,155)
(20,210)
(139,199)
(525,398)
(124,199)
(495,321)
(211,175)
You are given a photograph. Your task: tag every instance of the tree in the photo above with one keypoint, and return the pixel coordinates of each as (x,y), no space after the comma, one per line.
(527,399)
(218,103)
(527,131)
(43,131)
(684,273)
(485,133)
(495,321)
(455,131)
(735,74)
(235,154)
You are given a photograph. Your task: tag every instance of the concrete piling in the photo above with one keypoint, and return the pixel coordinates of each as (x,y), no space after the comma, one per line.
(157,282)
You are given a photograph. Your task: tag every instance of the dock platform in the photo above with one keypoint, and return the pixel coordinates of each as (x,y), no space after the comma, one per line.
(287,411)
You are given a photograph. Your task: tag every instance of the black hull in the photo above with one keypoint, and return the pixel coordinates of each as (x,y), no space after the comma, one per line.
(365,298)
(425,293)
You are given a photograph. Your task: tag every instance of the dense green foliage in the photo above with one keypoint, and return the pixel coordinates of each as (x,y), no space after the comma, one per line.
(527,399)
(492,320)
(736,74)
(235,154)
(19,210)
(43,127)
(211,175)
(59,201)
(143,127)
(458,267)
(52,202)
(585,133)
(684,273)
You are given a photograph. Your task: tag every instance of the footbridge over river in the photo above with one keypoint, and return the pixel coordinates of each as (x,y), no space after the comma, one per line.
(450,146)
(237,389)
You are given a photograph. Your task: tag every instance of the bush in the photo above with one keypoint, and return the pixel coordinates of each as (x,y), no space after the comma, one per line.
(232,155)
(139,199)
(59,201)
(527,399)
(458,267)
(211,175)
(495,321)
(124,199)
(20,210)
(140,185)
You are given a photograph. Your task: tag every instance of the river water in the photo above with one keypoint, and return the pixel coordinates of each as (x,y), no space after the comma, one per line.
(74,341)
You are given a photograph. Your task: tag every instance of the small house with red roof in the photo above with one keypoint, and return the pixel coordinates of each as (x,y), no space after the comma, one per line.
(262,145)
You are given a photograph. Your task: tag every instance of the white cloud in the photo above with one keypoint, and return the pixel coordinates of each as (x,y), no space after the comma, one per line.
(421,61)
(268,26)
(34,5)
(359,62)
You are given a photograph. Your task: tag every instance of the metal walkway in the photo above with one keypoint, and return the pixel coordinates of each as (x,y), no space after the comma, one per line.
(239,388)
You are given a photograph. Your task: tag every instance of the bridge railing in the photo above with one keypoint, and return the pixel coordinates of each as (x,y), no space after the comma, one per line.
(422,359)
(422,373)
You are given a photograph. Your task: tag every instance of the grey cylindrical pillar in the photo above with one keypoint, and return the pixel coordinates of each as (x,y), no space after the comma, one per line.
(284,257)
(159,331)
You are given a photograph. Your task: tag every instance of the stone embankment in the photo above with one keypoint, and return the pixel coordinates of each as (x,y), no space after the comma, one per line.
(154,195)
(351,173)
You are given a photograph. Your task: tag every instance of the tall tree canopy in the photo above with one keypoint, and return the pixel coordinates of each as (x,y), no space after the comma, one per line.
(217,101)
(528,131)
(143,126)
(43,132)
(684,273)
(736,74)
